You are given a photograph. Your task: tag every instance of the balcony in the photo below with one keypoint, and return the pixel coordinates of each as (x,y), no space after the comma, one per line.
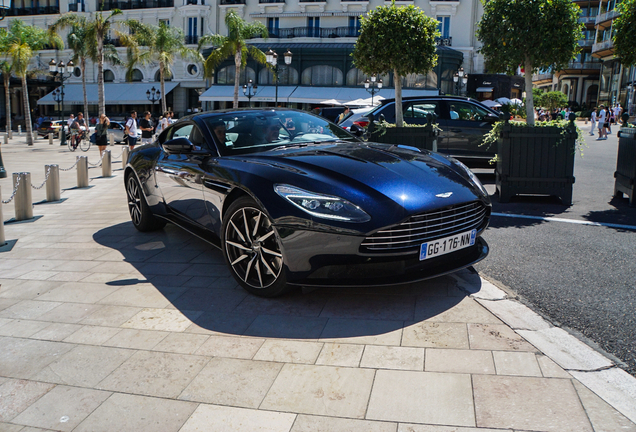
(587,19)
(271,1)
(603,48)
(232,2)
(312,32)
(585,65)
(448,41)
(607,16)
(191,40)
(137,4)
(586,42)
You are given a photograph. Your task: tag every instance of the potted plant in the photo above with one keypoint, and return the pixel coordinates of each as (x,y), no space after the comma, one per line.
(538,35)
(420,136)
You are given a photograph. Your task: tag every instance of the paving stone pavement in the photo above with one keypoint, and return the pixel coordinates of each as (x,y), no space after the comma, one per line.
(103,328)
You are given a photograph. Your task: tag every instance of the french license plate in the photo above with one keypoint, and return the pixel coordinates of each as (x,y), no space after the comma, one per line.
(447,245)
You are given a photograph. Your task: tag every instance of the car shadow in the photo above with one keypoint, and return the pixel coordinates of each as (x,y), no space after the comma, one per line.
(620,214)
(192,275)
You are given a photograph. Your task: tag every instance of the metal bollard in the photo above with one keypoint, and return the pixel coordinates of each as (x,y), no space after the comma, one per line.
(82,171)
(3,241)
(111,139)
(50,138)
(23,199)
(10,134)
(19,130)
(124,157)
(6,138)
(53,189)
(35,136)
(107,167)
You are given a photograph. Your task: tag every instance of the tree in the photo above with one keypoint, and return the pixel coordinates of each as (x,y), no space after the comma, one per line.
(160,43)
(536,34)
(554,99)
(234,45)
(95,33)
(6,69)
(624,27)
(20,44)
(400,39)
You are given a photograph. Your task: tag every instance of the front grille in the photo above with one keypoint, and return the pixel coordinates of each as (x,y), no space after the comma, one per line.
(422,228)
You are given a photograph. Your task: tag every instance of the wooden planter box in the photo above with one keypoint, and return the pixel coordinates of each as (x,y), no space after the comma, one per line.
(625,173)
(424,138)
(531,162)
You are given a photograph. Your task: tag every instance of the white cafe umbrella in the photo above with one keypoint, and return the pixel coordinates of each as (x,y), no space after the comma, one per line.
(330,102)
(516,101)
(491,104)
(503,100)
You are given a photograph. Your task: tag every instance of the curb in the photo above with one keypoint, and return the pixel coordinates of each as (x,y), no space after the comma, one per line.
(588,366)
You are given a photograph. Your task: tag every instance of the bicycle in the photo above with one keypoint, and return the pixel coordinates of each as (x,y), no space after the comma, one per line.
(78,139)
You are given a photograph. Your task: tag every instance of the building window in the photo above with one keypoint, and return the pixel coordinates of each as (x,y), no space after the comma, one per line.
(167,76)
(109,76)
(354,26)
(313,26)
(226,75)
(165,21)
(288,76)
(192,31)
(272,26)
(443,25)
(322,76)
(137,75)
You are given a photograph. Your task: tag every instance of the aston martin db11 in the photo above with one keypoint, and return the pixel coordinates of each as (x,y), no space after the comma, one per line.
(294,200)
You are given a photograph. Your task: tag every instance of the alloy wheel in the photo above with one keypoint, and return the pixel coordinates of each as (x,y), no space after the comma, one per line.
(134,200)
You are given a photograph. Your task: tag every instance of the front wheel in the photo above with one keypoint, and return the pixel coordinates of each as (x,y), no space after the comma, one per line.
(71,142)
(140,214)
(252,249)
(85,144)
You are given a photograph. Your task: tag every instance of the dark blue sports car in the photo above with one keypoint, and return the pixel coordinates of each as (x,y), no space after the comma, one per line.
(292,199)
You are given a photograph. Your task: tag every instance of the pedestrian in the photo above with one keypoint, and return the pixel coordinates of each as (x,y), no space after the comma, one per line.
(602,124)
(70,121)
(101,133)
(171,117)
(131,129)
(147,127)
(343,115)
(593,121)
(164,122)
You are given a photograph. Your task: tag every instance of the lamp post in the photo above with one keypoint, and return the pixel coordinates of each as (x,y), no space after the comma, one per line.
(374,86)
(60,69)
(460,79)
(153,96)
(272,59)
(249,90)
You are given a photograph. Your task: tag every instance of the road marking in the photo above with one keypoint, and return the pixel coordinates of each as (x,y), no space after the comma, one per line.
(572,221)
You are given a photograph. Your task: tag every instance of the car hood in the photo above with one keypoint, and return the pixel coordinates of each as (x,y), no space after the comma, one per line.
(417,181)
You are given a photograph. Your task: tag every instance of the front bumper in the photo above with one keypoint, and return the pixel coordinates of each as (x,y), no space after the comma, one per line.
(323,259)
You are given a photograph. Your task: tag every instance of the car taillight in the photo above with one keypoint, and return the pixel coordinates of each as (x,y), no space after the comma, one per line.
(361,123)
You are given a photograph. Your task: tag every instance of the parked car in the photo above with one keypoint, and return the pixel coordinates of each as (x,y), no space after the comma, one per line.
(462,130)
(117,130)
(357,116)
(330,113)
(308,206)
(52,126)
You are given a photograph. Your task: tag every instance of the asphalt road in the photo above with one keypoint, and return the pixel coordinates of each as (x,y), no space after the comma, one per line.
(580,277)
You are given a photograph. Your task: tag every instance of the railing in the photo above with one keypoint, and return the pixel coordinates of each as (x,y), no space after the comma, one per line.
(584,65)
(313,1)
(271,1)
(586,42)
(191,40)
(541,77)
(444,41)
(232,2)
(42,10)
(135,4)
(587,19)
(606,16)
(112,41)
(335,32)
(600,46)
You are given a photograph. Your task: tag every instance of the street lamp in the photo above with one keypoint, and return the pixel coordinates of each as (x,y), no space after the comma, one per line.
(373,87)
(60,69)
(272,59)
(249,90)
(460,79)
(153,96)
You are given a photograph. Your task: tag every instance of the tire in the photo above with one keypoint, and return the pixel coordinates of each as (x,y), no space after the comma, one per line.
(252,249)
(85,144)
(140,214)
(69,143)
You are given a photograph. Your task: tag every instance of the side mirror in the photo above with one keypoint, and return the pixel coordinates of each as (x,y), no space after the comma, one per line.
(178,145)
(356,130)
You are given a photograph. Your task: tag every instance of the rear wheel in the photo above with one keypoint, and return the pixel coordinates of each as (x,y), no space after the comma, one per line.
(85,144)
(140,214)
(252,249)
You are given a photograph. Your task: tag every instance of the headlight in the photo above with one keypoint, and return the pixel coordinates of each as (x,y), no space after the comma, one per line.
(322,206)
(471,175)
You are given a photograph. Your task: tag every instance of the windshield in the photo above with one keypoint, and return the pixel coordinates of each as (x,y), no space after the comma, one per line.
(256,131)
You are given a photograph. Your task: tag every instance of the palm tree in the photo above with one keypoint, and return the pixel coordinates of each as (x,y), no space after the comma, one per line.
(95,33)
(6,69)
(162,43)
(234,45)
(20,45)
(78,42)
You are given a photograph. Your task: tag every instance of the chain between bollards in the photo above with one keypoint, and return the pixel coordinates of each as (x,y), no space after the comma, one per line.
(46,177)
(3,240)
(15,189)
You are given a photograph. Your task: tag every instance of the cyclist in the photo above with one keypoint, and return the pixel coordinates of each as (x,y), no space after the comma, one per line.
(78,129)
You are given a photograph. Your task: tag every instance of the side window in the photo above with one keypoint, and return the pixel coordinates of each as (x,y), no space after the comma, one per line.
(182,132)
(387,111)
(420,110)
(467,112)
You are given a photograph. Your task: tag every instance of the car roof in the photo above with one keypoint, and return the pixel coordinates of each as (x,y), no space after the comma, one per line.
(438,97)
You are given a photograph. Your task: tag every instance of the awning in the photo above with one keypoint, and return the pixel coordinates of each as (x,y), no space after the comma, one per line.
(305,94)
(485,89)
(114,93)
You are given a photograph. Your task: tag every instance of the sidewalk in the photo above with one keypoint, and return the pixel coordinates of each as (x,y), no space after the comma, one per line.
(103,328)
